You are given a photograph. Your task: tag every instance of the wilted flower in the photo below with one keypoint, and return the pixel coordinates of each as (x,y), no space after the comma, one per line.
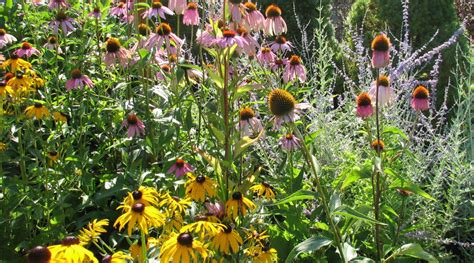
(380,51)
(157,9)
(364,105)
(274,23)
(180,168)
(134,124)
(26,50)
(5,38)
(385,91)
(289,142)
(294,70)
(78,80)
(283,105)
(253,19)
(191,15)
(420,99)
(115,53)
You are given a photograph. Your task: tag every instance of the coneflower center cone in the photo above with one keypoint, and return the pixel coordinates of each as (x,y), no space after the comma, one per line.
(185,239)
(281,102)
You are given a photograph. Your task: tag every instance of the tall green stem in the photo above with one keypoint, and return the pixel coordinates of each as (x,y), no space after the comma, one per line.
(378,243)
(144,250)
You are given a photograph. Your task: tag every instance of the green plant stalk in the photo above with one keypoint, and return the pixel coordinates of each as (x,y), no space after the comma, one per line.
(322,195)
(378,243)
(144,252)
(225,97)
(400,221)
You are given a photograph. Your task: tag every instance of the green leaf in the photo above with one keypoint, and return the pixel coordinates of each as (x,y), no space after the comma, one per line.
(244,143)
(214,162)
(296,196)
(351,213)
(310,244)
(349,252)
(395,130)
(413,250)
(399,184)
(218,133)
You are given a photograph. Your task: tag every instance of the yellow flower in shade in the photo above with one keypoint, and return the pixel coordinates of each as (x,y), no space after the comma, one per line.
(181,248)
(71,251)
(145,195)
(197,187)
(136,248)
(256,238)
(53,156)
(15,63)
(92,231)
(238,203)
(20,83)
(174,221)
(264,190)
(175,203)
(203,227)
(38,111)
(227,240)
(141,215)
(60,117)
(5,89)
(117,257)
(3,146)
(263,254)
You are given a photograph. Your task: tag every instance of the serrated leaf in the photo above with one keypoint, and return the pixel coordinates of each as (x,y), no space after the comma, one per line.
(310,244)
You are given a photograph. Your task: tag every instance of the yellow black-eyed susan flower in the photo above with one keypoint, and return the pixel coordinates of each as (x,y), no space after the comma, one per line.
(203,227)
(175,203)
(263,254)
(37,110)
(144,195)
(378,145)
(263,190)
(255,238)
(238,204)
(174,221)
(92,231)
(3,146)
(71,251)
(15,63)
(5,89)
(39,254)
(53,156)
(20,82)
(227,240)
(181,248)
(141,216)
(198,187)
(61,117)
(117,257)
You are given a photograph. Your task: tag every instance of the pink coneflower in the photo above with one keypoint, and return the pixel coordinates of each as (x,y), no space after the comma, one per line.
(206,37)
(278,64)
(165,70)
(5,38)
(52,44)
(294,70)
(420,99)
(385,91)
(26,50)
(249,124)
(157,9)
(229,38)
(180,168)
(163,34)
(274,23)
(250,43)
(289,142)
(135,126)
(265,56)
(283,105)
(281,44)
(120,10)
(380,51)
(235,9)
(364,105)
(64,21)
(178,6)
(95,13)
(115,53)
(191,15)
(58,4)
(78,80)
(253,19)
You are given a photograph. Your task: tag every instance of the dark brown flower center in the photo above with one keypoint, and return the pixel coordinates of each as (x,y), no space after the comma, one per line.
(266,50)
(383,81)
(295,60)
(289,136)
(421,93)
(8,76)
(156,5)
(242,31)
(381,43)
(53,153)
(38,105)
(112,45)
(250,7)
(107,259)
(39,254)
(363,100)
(121,5)
(163,29)
(2,32)
(53,40)
(61,16)
(281,102)
(246,114)
(26,45)
(228,229)
(70,240)
(132,119)
(200,179)
(76,73)
(228,33)
(279,62)
(137,195)
(273,11)
(200,218)
(166,68)
(185,239)
(96,10)
(378,145)
(143,29)
(138,208)
(237,196)
(192,6)
(180,163)
(280,39)
(266,184)
(14,56)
